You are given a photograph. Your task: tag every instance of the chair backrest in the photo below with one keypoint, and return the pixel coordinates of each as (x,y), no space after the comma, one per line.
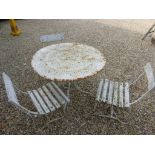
(11,94)
(52,37)
(150,76)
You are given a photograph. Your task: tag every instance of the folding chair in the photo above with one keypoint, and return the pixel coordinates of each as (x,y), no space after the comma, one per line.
(45,99)
(118,93)
(51,37)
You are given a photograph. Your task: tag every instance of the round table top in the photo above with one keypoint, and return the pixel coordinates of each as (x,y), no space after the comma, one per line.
(67,61)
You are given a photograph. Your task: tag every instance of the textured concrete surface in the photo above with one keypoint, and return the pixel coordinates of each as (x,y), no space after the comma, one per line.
(125,53)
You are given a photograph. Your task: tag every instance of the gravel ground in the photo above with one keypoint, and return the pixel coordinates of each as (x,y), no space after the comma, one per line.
(125,53)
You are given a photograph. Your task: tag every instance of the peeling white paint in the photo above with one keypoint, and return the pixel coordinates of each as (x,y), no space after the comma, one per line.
(67,61)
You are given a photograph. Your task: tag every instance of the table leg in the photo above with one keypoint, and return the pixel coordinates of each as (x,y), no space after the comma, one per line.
(78,88)
(69,87)
(112,110)
(68,90)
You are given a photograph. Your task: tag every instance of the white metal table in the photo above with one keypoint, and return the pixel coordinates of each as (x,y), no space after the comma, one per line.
(68,62)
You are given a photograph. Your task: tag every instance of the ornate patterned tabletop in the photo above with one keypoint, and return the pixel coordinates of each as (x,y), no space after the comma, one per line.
(67,61)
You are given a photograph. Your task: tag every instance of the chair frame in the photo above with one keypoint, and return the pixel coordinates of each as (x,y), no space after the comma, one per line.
(12,98)
(151,86)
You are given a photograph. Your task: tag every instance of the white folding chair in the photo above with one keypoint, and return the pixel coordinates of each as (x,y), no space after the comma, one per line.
(118,93)
(45,99)
(51,37)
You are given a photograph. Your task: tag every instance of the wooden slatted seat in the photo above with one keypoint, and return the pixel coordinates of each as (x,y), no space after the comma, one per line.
(46,99)
(113,93)
(118,93)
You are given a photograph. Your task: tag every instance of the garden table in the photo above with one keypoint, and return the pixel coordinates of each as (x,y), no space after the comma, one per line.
(68,62)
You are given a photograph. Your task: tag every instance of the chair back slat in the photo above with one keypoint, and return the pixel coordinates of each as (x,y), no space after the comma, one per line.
(60,92)
(35,102)
(110,94)
(41,101)
(11,94)
(121,95)
(52,37)
(51,97)
(115,96)
(47,101)
(150,76)
(105,90)
(127,102)
(99,90)
(56,94)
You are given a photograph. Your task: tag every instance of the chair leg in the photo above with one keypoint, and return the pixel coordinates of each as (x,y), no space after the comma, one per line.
(112,111)
(50,121)
(68,94)
(65,108)
(68,90)
(112,115)
(114,118)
